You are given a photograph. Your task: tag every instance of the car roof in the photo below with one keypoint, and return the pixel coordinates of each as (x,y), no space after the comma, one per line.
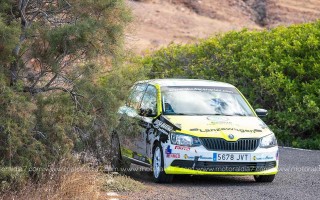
(186,82)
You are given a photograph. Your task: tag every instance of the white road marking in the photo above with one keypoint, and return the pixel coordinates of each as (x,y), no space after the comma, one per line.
(298,149)
(112,195)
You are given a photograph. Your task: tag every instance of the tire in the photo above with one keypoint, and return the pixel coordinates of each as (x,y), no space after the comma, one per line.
(264,178)
(117,162)
(159,176)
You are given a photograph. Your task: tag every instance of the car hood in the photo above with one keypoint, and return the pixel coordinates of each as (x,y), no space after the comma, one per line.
(221,126)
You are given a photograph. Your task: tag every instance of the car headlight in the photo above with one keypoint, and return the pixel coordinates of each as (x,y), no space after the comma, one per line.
(268,141)
(184,140)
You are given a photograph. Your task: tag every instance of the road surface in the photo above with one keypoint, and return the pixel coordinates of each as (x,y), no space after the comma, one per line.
(299,178)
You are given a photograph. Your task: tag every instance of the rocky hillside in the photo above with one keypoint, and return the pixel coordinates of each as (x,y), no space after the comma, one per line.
(159,22)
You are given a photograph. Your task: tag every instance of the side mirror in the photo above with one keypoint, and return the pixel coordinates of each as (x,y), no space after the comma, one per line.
(147,112)
(261,112)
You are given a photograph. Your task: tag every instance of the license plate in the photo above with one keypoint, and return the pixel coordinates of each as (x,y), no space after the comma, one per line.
(231,157)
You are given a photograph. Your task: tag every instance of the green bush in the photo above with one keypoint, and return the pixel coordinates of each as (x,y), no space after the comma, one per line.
(276,69)
(12,177)
(57,91)
(36,131)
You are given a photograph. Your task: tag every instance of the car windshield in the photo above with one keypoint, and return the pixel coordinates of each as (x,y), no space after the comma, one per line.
(204,101)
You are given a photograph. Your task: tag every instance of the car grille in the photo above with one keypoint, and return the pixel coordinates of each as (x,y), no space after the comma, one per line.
(224,166)
(219,144)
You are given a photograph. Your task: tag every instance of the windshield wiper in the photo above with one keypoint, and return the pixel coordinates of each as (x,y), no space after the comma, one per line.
(222,114)
(239,114)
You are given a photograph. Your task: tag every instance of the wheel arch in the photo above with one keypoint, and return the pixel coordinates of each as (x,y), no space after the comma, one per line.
(155,144)
(114,133)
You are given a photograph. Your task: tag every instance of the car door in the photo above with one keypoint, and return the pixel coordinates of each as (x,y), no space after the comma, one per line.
(129,129)
(136,118)
(148,110)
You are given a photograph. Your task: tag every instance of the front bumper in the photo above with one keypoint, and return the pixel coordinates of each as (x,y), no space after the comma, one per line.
(178,170)
(200,161)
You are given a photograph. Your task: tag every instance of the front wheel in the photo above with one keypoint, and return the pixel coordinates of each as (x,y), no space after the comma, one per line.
(159,175)
(264,178)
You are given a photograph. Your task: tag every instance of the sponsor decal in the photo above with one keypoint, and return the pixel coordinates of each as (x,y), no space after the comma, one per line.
(199,88)
(188,157)
(173,155)
(263,158)
(169,154)
(193,157)
(230,129)
(182,148)
(161,126)
(219,123)
(137,157)
(168,150)
(268,157)
(204,157)
(218,120)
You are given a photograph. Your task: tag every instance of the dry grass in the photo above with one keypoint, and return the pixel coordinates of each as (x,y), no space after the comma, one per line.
(70,180)
(122,183)
(79,185)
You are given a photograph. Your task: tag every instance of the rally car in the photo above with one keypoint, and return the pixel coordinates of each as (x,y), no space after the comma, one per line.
(196,127)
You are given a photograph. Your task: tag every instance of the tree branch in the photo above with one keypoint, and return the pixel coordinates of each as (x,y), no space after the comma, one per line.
(16,51)
(51,81)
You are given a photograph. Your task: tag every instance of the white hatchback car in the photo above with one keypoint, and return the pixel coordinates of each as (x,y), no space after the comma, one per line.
(200,127)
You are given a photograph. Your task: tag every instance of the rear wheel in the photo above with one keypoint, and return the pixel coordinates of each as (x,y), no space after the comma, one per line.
(264,178)
(159,175)
(117,162)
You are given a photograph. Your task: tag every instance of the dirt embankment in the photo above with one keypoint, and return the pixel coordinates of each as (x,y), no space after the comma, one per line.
(159,22)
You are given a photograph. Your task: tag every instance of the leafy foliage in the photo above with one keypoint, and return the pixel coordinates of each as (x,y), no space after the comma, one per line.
(57,90)
(9,37)
(276,69)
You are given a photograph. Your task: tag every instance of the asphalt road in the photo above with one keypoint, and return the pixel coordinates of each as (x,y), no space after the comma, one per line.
(299,178)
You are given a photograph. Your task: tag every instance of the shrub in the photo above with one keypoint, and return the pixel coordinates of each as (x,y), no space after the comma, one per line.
(57,94)
(276,69)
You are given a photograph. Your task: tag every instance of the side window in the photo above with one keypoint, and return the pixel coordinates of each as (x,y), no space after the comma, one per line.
(132,91)
(149,100)
(136,96)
